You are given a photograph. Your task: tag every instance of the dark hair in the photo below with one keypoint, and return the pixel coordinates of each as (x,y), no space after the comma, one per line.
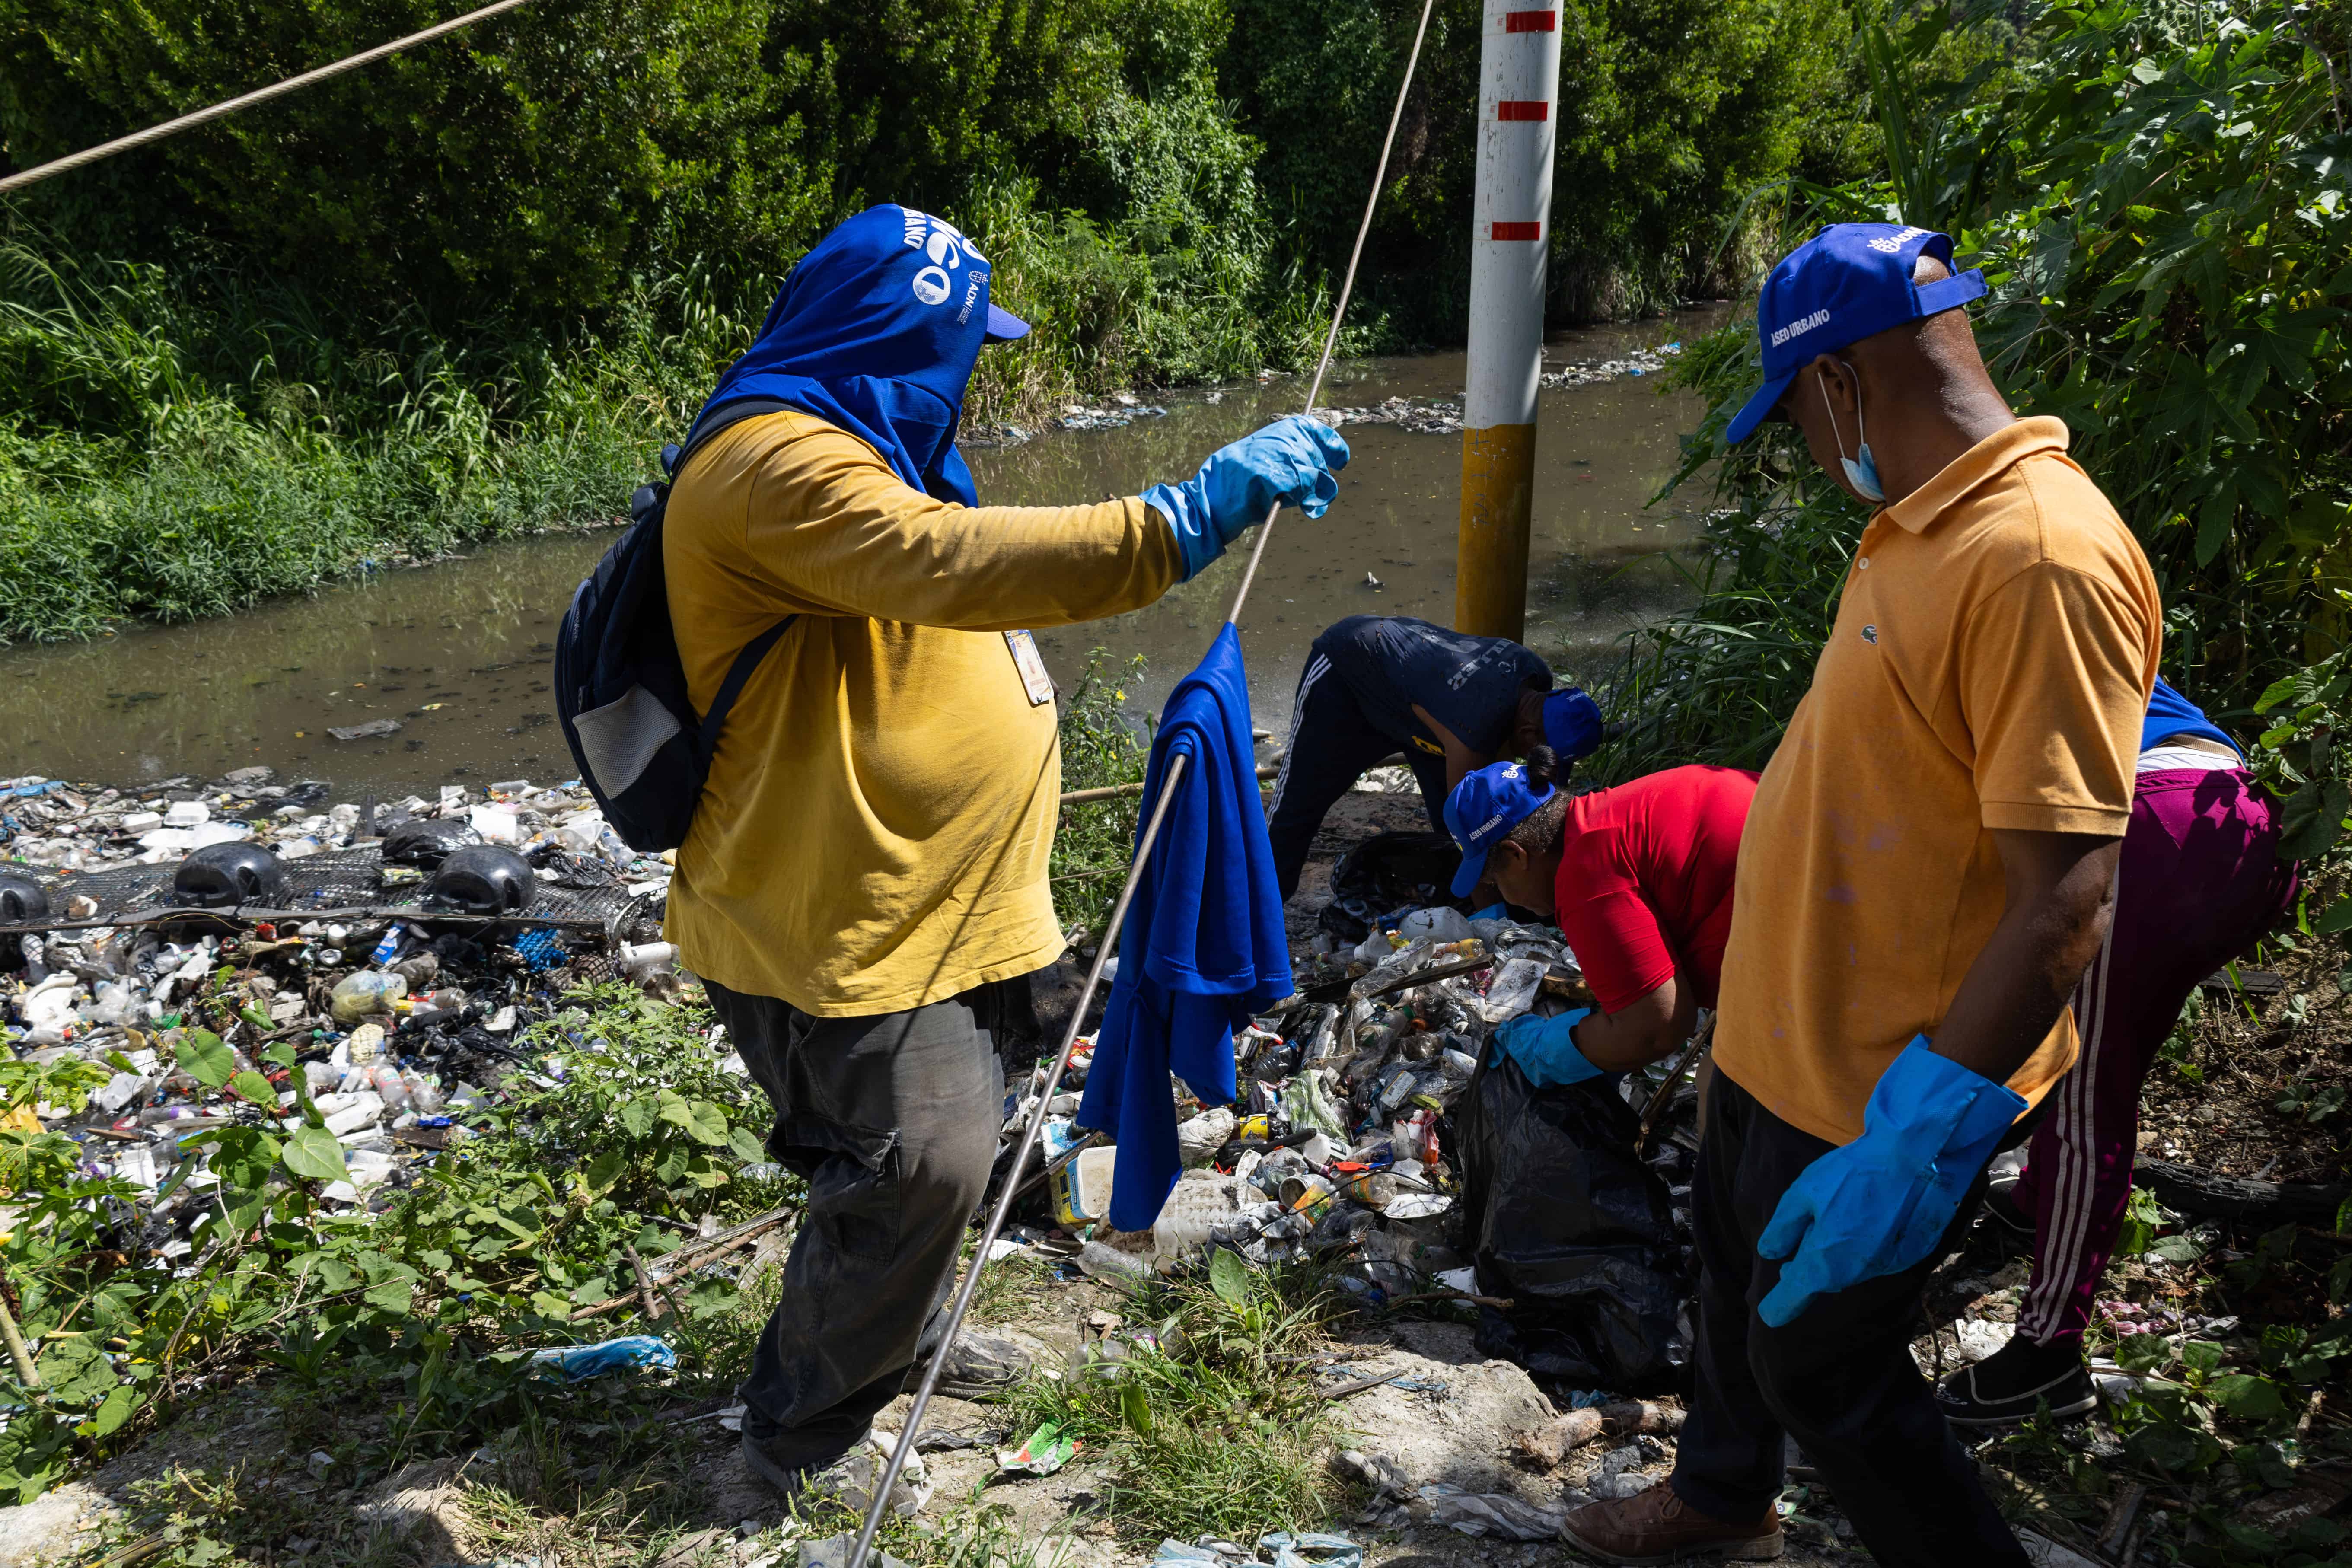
(1538,832)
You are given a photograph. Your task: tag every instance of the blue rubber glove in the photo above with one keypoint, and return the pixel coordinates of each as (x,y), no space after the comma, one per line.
(1879,1204)
(1544,1048)
(1291,461)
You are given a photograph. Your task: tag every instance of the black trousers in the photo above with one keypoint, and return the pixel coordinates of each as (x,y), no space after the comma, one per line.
(892,1120)
(1840,1378)
(1331,744)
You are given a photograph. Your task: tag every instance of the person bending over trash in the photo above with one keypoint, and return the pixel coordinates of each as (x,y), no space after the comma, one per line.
(1450,701)
(2200,881)
(1924,877)
(1638,879)
(867,865)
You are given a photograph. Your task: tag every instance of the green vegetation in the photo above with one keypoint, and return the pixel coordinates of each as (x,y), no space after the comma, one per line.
(621,1139)
(465,292)
(2156,193)
(1100,749)
(1211,1422)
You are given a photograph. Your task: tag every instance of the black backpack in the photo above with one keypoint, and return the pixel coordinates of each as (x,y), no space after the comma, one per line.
(620,690)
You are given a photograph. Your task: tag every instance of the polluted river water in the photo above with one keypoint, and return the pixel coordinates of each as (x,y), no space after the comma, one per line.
(458,652)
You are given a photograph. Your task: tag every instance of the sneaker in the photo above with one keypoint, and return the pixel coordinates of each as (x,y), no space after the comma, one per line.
(2008,1386)
(2005,1213)
(1657,1526)
(978,1365)
(849,1479)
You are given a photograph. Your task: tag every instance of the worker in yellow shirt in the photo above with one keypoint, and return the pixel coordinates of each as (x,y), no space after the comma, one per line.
(1926,872)
(866,869)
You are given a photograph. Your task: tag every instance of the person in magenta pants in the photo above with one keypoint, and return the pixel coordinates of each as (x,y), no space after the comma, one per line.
(2200,881)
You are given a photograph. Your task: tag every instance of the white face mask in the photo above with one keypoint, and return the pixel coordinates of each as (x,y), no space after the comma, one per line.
(1863,474)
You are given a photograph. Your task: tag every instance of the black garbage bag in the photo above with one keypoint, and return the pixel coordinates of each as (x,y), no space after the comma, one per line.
(1387,872)
(1562,1219)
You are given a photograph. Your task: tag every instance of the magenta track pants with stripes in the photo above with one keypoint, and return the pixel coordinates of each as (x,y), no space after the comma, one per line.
(2199,880)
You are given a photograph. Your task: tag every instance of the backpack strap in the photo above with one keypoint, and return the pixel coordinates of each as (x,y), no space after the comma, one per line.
(674,457)
(740,672)
(732,687)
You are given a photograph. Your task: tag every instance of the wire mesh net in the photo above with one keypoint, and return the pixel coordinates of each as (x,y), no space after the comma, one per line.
(568,890)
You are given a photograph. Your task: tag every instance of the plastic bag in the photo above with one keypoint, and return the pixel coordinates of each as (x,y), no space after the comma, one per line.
(1387,872)
(1561,1218)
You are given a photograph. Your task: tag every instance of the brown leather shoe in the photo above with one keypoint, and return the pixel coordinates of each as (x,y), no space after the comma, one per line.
(1657,1526)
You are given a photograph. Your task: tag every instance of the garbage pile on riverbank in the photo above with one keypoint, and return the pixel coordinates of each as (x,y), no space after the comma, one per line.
(245,953)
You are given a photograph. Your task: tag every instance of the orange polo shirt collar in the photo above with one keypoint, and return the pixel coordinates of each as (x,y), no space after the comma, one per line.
(1996,454)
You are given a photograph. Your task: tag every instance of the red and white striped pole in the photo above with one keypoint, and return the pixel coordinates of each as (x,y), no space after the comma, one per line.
(1519,100)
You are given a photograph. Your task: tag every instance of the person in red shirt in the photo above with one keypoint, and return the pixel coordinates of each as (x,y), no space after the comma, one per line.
(1638,878)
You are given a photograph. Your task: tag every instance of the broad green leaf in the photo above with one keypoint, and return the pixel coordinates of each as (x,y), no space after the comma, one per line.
(249,1085)
(313,1154)
(637,1117)
(2313,819)
(2200,1356)
(602,1172)
(120,1401)
(752,1151)
(2246,1396)
(206,1058)
(281,1053)
(703,1121)
(1229,1277)
(392,1297)
(1135,1405)
(2339,917)
(2178,1450)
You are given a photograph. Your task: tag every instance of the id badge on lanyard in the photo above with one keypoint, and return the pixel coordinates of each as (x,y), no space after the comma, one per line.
(1026,658)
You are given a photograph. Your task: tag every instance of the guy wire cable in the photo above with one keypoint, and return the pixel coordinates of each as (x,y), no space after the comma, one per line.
(1174,777)
(88,155)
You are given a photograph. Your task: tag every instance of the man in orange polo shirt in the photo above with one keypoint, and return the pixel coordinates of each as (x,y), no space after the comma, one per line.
(1926,872)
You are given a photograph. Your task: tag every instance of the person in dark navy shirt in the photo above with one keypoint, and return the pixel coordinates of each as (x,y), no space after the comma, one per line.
(1452,703)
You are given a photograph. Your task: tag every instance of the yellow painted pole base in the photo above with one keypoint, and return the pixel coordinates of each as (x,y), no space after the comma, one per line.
(1490,573)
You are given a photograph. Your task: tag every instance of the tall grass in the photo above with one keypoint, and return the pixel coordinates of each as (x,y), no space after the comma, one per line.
(186,442)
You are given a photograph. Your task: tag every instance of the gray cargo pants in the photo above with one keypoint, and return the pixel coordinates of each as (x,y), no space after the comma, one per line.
(892,1120)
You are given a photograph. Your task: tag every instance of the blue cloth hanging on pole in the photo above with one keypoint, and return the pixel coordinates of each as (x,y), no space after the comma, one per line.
(1203,947)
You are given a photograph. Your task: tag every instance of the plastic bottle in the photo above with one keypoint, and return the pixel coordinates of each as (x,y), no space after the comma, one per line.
(1100,1262)
(388,1082)
(364,992)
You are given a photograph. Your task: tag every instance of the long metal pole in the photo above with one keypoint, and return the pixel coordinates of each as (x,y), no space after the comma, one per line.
(1150,834)
(73,160)
(1012,1189)
(1519,99)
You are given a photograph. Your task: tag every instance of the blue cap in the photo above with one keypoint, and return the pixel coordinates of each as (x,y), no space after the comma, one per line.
(1003,326)
(1485,807)
(1851,281)
(1571,723)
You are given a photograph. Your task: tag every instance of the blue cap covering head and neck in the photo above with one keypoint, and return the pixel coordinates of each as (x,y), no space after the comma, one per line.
(876,331)
(1850,282)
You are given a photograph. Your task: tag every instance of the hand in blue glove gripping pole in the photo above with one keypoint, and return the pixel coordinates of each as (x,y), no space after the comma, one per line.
(1290,461)
(1879,1204)
(1544,1048)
